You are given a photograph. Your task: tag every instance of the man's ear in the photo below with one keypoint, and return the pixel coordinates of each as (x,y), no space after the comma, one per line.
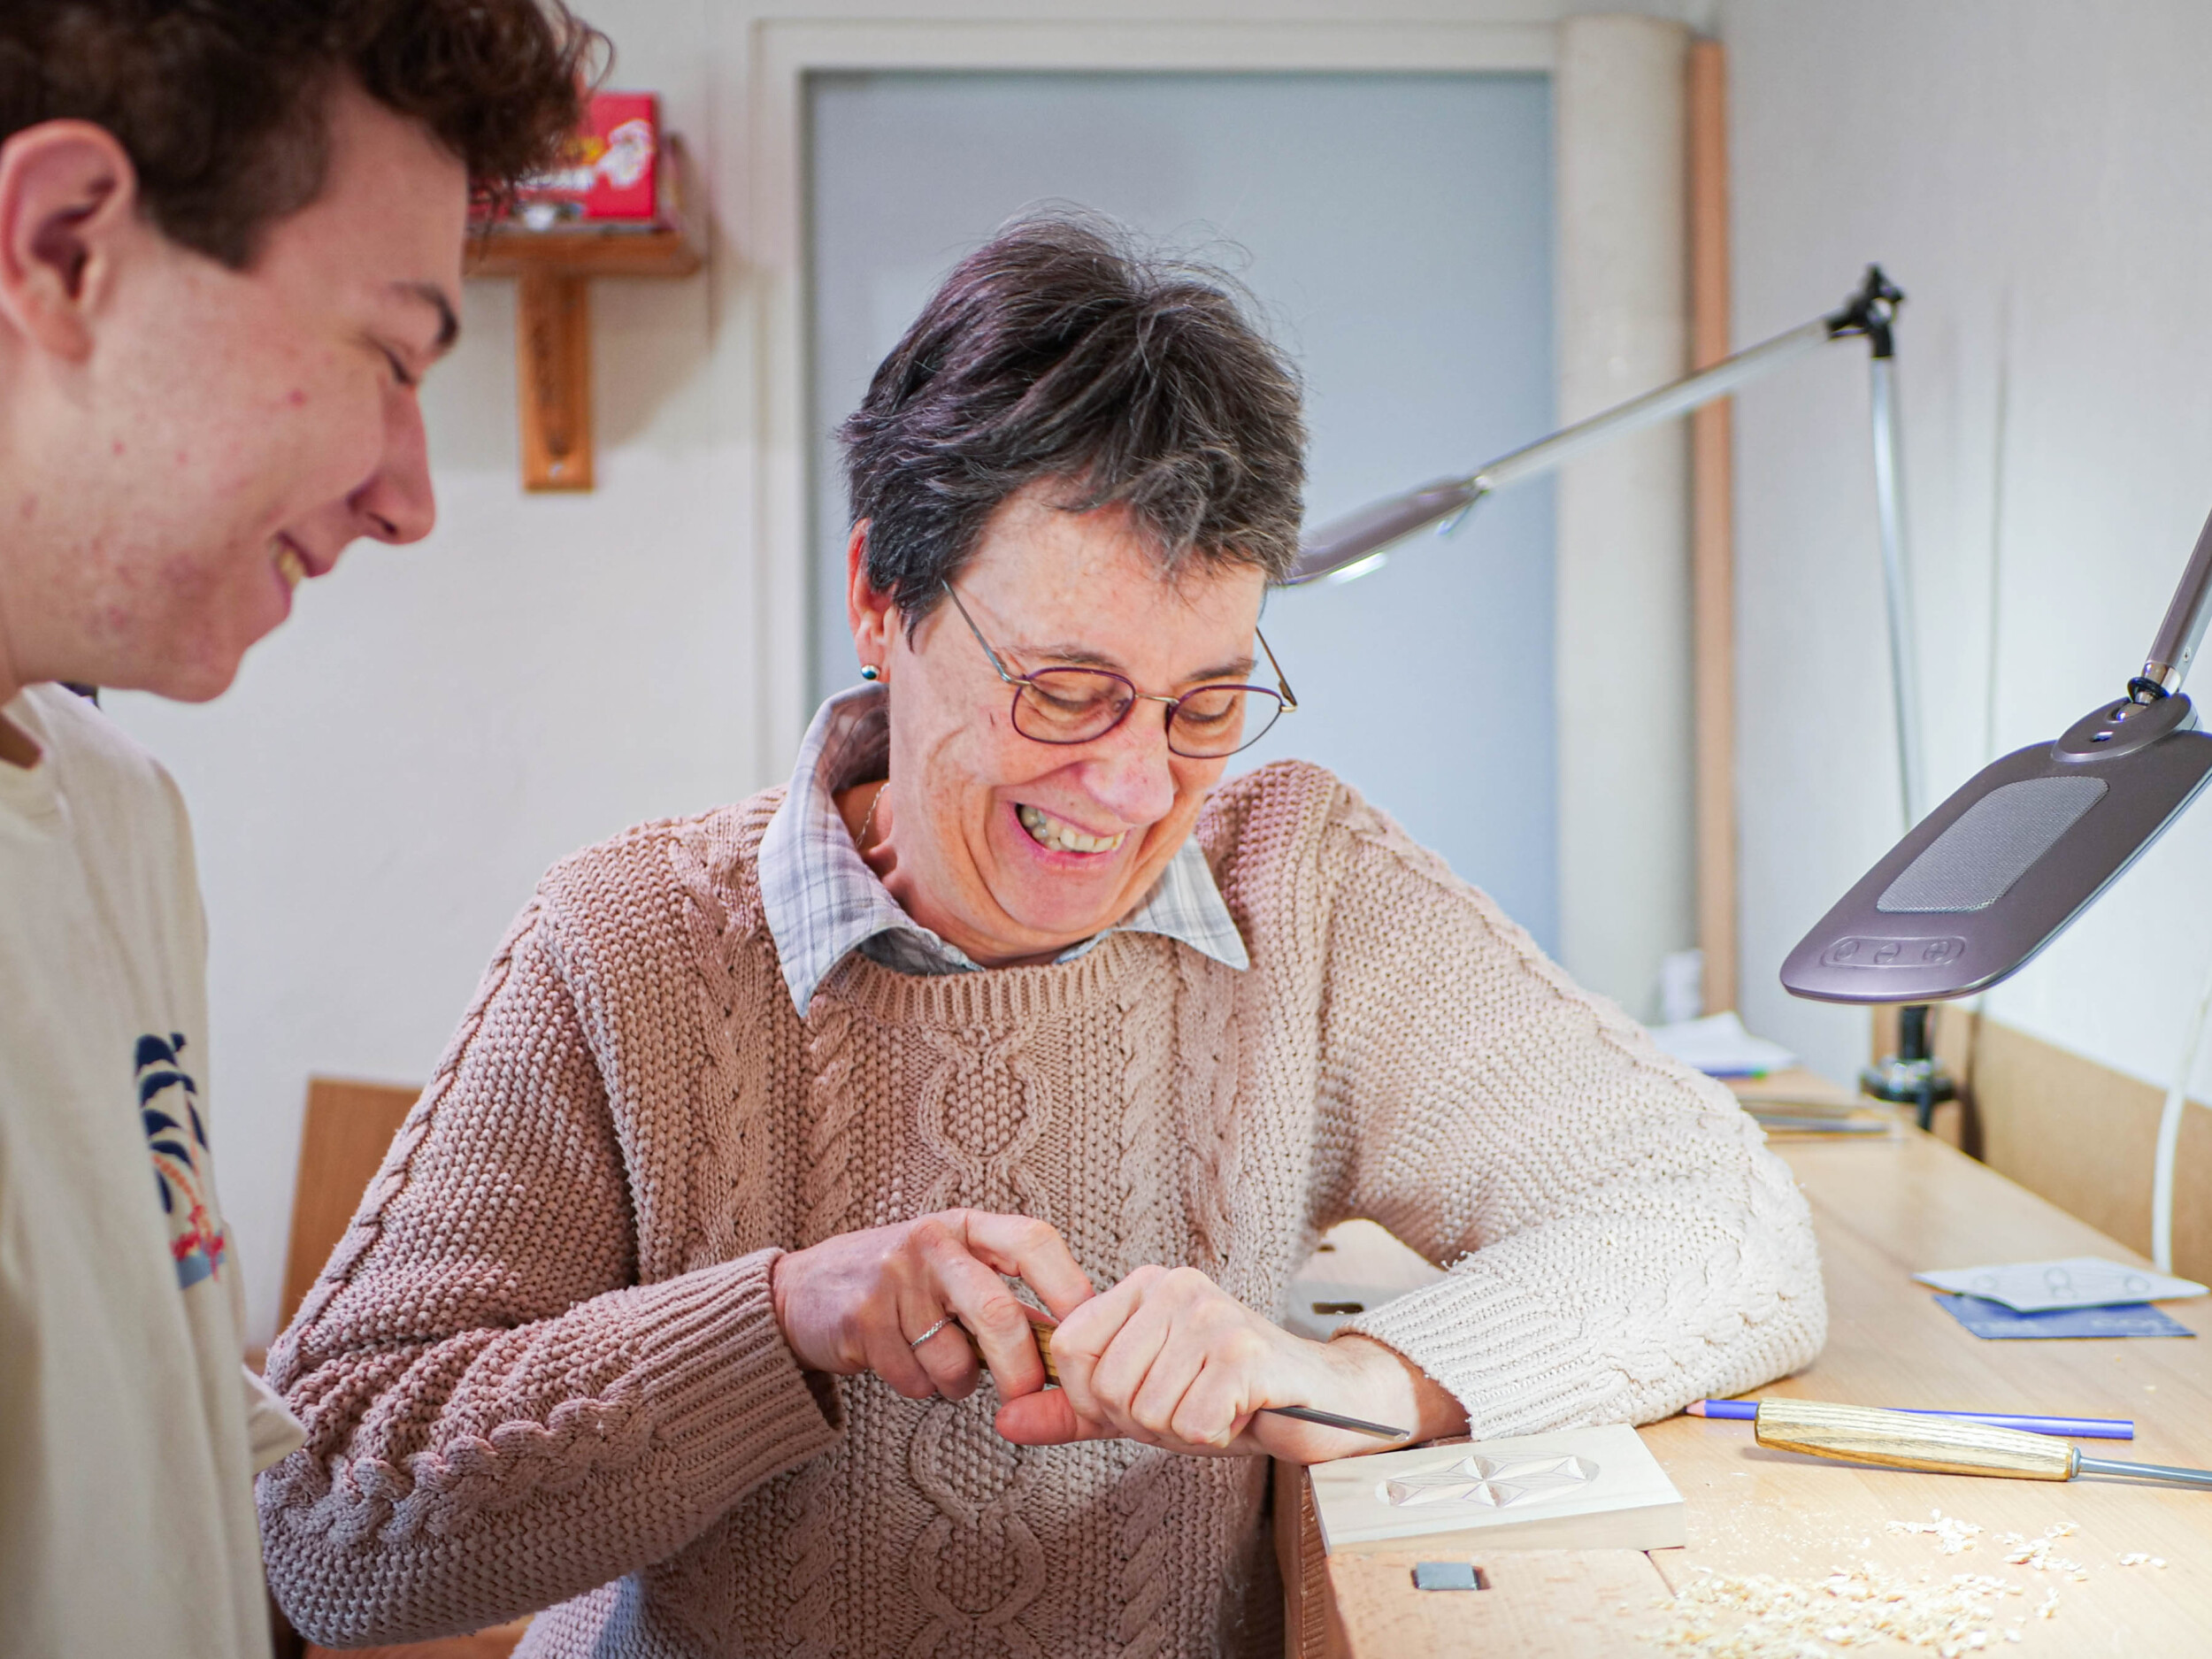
(68,193)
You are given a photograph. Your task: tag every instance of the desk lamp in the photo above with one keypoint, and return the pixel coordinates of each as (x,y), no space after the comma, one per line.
(1992,875)
(1350,546)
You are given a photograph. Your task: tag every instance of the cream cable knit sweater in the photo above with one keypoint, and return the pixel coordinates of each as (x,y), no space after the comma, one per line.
(541,1367)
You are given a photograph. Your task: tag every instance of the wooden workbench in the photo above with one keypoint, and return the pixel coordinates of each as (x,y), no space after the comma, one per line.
(1882,1208)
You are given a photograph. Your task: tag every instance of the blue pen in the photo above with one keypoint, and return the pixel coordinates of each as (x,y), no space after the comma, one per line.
(2077,1428)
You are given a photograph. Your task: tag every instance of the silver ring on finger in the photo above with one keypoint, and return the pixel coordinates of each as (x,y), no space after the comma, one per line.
(933,1331)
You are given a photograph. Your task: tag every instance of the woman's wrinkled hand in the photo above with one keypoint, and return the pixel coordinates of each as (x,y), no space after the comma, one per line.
(1169,1358)
(857,1302)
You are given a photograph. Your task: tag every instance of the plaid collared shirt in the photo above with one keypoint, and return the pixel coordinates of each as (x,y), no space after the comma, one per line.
(822,900)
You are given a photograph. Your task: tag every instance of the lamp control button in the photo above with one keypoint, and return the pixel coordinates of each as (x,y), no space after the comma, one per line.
(1858,951)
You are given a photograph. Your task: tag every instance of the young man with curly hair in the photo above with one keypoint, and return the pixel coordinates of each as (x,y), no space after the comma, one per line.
(231,234)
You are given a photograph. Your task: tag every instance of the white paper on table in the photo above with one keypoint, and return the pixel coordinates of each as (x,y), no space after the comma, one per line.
(2079,1281)
(1720,1047)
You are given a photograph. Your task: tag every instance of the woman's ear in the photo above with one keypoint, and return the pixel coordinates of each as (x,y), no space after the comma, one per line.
(874,616)
(68,196)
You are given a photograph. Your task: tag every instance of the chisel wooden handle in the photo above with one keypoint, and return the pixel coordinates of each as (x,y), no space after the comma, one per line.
(1941,1445)
(1037,1328)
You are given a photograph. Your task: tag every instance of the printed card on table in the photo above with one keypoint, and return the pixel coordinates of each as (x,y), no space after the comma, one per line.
(2079,1281)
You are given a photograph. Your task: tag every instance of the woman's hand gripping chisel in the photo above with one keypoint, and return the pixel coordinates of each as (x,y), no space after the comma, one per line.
(1304,1414)
(1862,1434)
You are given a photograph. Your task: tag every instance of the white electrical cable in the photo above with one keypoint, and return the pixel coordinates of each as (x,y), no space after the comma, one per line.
(2170,1133)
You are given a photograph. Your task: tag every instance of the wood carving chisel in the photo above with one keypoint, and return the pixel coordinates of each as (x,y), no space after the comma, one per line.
(2070,1428)
(1863,1434)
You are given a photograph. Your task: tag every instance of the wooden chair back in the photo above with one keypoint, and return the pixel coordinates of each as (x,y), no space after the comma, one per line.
(348,1127)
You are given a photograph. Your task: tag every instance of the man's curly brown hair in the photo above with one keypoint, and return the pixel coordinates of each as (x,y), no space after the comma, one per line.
(223,104)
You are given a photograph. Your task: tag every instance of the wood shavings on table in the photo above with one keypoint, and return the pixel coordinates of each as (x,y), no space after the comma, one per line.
(1722,1617)
(1952,1535)
(2035,1553)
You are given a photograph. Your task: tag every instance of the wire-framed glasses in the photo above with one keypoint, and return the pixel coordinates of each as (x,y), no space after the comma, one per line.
(1077,705)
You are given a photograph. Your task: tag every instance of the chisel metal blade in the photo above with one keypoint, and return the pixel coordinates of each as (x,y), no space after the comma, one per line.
(2166,1473)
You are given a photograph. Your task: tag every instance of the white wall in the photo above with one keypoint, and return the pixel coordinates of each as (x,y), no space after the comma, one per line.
(436,724)
(2034,174)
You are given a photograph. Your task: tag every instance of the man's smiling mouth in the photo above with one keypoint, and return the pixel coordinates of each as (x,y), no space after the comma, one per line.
(1058,835)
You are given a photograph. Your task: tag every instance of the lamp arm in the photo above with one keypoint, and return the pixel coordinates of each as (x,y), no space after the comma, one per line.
(2182,630)
(1357,538)
(1675,397)
(1889,506)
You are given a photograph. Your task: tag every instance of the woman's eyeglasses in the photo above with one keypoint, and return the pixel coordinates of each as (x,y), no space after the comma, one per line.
(1077,705)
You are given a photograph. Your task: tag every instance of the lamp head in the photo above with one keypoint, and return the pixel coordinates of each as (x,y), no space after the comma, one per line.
(1349,547)
(1998,870)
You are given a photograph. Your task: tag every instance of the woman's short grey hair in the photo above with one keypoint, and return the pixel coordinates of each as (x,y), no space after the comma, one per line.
(1060,350)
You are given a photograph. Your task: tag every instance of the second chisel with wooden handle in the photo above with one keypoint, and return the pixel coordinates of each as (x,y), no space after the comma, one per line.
(1862,1435)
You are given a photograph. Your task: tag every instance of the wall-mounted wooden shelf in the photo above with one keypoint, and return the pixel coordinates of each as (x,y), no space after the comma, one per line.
(554,269)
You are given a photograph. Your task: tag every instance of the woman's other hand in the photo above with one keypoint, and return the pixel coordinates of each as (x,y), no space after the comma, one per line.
(1169,1358)
(857,1302)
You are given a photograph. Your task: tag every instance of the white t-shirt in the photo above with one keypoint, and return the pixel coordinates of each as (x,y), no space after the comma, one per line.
(127,1458)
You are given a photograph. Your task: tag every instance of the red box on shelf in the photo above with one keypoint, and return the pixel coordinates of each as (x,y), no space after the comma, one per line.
(612,177)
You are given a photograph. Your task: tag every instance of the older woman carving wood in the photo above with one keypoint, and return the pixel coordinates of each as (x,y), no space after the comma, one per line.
(1006,998)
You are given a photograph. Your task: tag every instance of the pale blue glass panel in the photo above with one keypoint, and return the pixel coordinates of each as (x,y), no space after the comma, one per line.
(1398,231)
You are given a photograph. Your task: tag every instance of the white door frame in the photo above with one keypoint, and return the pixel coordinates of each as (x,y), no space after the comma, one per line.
(774,240)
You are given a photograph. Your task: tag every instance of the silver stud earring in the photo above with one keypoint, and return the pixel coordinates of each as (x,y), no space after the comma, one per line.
(869,671)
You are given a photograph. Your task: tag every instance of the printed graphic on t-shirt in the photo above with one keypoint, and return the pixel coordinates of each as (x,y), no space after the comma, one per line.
(169,1107)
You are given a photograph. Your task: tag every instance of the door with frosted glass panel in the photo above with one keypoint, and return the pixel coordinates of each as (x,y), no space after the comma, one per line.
(1397,230)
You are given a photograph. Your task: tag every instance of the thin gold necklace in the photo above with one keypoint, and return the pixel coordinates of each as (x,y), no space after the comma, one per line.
(860,841)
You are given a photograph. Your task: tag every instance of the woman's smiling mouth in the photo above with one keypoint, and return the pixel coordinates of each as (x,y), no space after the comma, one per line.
(1058,835)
